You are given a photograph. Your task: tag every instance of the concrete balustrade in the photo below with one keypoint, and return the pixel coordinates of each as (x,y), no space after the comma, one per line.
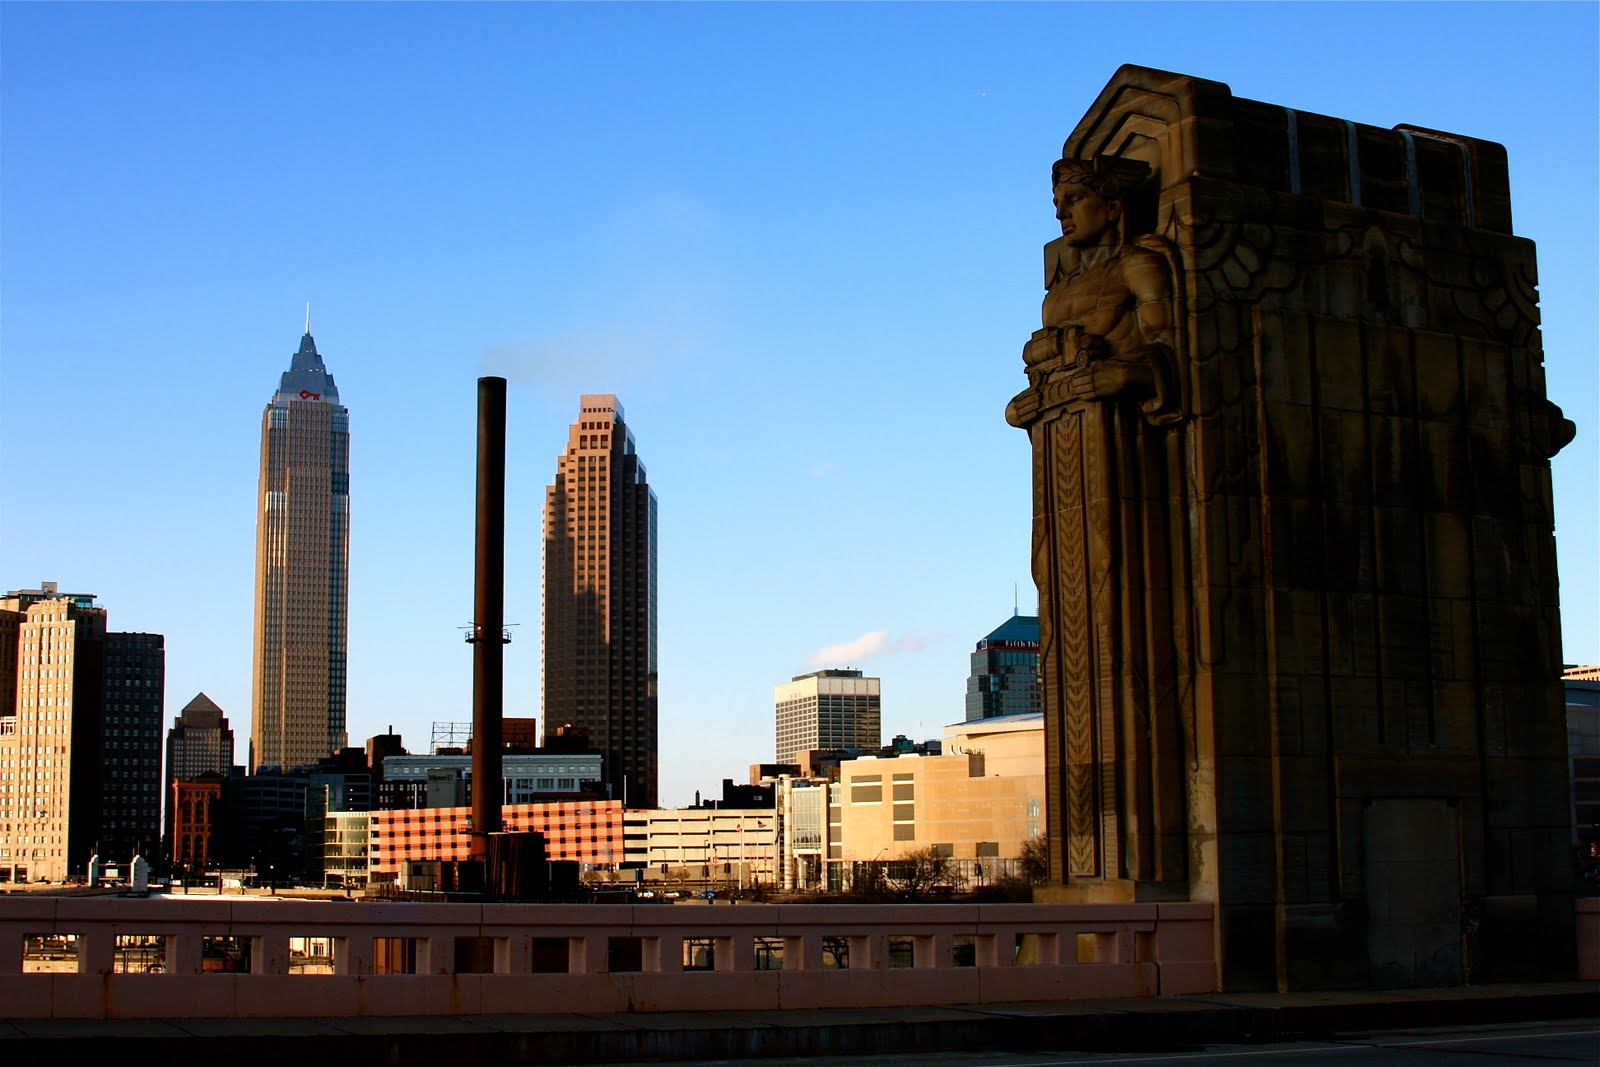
(810,956)
(1588,909)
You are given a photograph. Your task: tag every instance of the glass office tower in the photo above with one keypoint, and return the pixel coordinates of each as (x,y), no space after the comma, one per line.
(1005,671)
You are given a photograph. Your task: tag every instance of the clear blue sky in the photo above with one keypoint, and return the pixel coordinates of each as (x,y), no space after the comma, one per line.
(801,243)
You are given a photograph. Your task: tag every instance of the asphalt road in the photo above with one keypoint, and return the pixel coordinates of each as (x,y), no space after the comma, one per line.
(1547,1044)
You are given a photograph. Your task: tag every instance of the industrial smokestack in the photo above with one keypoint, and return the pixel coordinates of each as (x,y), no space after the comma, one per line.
(489,636)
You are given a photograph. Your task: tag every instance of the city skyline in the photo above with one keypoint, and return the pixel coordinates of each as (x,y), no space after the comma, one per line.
(835,247)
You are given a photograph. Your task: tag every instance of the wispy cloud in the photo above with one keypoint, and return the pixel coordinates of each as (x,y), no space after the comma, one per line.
(664,323)
(871,645)
(583,360)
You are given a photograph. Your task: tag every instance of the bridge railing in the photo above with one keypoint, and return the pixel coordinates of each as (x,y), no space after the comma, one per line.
(104,957)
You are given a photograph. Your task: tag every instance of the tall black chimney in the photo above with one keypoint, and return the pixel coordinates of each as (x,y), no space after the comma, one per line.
(488,635)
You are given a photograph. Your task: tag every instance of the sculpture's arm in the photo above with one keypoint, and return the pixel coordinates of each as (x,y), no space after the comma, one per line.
(1150,281)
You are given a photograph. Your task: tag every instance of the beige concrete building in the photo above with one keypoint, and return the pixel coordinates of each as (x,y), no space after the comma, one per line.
(735,847)
(829,709)
(600,599)
(302,569)
(1010,746)
(976,804)
(51,732)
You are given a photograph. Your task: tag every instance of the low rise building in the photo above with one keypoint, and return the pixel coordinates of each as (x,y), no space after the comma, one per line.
(194,809)
(731,846)
(802,817)
(582,831)
(345,855)
(529,777)
(1582,685)
(976,805)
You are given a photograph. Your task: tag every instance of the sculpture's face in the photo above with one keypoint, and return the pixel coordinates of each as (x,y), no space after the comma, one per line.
(1087,218)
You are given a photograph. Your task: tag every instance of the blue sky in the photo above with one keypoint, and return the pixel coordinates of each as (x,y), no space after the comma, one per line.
(801,243)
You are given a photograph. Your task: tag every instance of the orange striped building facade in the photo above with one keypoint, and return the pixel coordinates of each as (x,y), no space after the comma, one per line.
(584,831)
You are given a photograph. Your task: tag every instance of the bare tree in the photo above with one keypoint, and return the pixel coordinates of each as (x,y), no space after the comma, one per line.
(918,871)
(867,879)
(1036,859)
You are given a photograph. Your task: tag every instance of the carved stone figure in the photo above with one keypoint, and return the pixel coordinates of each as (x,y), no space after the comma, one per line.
(1108,313)
(1102,393)
(1299,624)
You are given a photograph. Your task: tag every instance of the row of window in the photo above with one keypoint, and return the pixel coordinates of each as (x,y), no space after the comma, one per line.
(229,954)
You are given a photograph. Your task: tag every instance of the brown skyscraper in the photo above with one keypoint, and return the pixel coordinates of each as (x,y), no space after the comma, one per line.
(600,599)
(302,569)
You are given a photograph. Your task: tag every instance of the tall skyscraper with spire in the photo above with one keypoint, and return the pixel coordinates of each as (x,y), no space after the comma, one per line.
(302,568)
(600,599)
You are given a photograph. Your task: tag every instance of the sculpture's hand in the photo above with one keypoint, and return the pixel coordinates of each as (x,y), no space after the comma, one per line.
(1024,408)
(1110,378)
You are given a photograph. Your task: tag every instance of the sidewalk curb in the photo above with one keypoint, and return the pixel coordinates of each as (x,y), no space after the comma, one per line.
(1158,1024)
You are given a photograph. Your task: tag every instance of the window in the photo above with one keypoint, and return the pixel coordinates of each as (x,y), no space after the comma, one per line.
(548,955)
(394,955)
(769,953)
(310,955)
(699,954)
(475,955)
(224,955)
(624,954)
(49,953)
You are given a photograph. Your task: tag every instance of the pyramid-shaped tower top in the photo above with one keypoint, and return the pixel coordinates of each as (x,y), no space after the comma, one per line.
(307,378)
(202,711)
(1019,629)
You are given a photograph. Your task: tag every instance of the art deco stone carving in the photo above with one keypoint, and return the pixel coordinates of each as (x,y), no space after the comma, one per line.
(1293,539)
(1102,402)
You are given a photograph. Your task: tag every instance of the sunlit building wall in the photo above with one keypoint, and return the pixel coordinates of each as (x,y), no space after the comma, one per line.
(52,734)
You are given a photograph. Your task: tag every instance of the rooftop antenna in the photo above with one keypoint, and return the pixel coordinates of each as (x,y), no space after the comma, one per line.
(1015,610)
(308,316)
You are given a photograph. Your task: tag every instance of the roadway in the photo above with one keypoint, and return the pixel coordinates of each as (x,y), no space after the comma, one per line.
(1547,1044)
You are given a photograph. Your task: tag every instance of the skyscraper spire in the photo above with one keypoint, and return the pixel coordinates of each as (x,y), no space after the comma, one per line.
(308,318)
